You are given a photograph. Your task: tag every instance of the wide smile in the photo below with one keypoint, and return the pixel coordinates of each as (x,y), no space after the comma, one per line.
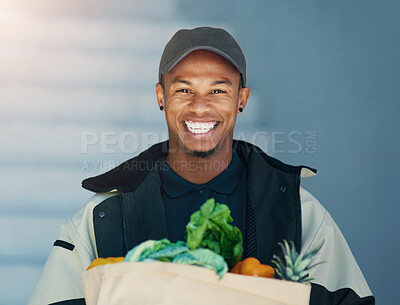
(200,128)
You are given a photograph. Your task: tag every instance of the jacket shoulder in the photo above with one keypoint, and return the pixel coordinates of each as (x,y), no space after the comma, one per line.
(80,226)
(91,203)
(330,282)
(252,153)
(128,175)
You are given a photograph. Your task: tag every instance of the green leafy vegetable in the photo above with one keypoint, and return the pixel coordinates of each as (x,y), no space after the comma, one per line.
(209,228)
(147,248)
(164,250)
(205,258)
(211,242)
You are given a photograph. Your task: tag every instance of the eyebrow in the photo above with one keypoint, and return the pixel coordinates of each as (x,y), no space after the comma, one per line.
(182,81)
(219,82)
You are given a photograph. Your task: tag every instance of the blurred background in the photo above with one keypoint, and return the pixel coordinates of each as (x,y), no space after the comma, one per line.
(77,98)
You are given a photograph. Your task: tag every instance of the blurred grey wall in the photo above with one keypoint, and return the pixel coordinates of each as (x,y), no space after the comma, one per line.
(77,97)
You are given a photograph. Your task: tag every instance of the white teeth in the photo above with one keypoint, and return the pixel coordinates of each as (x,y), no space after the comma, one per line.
(199,127)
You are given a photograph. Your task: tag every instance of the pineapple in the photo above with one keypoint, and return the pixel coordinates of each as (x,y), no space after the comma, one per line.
(294,267)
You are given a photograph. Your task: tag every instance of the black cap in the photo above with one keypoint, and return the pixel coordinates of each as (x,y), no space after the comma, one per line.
(202,38)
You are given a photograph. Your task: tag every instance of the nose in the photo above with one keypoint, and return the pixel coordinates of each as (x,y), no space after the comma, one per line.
(199,104)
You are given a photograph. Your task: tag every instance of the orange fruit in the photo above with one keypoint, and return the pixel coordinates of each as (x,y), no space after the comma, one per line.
(252,266)
(102,261)
(236,268)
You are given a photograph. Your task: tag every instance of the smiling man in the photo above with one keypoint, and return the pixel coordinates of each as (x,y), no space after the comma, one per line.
(201,97)
(201,89)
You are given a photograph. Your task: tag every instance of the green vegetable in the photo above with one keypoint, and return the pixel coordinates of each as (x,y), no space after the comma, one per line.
(169,254)
(211,242)
(147,248)
(209,228)
(164,250)
(205,258)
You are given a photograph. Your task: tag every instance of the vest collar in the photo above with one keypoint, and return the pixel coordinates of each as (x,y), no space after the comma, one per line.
(128,175)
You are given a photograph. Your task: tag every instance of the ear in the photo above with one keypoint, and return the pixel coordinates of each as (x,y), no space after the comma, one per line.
(244,94)
(160,95)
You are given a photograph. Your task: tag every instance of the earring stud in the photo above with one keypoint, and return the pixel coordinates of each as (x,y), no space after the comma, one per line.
(240,109)
(161,108)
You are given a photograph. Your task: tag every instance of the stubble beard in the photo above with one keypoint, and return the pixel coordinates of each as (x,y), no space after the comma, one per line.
(199,153)
(203,154)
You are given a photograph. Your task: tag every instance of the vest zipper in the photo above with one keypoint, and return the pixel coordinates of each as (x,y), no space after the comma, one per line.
(123,220)
(300,229)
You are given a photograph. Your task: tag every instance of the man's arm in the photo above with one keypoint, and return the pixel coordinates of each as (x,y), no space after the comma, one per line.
(75,248)
(338,278)
(60,280)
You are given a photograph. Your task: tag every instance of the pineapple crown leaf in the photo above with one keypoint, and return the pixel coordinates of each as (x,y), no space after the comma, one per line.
(312,266)
(277,260)
(303,274)
(294,266)
(292,250)
(289,262)
(302,264)
(307,279)
(313,252)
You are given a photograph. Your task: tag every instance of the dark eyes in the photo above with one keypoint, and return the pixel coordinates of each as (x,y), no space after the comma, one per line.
(216,91)
(183,90)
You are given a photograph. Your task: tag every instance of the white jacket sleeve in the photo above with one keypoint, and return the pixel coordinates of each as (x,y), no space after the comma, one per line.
(338,272)
(73,252)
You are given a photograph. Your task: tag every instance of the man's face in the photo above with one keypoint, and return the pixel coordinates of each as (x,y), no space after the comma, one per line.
(201,98)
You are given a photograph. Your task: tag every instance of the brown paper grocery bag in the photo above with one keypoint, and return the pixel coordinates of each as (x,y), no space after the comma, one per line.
(173,284)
